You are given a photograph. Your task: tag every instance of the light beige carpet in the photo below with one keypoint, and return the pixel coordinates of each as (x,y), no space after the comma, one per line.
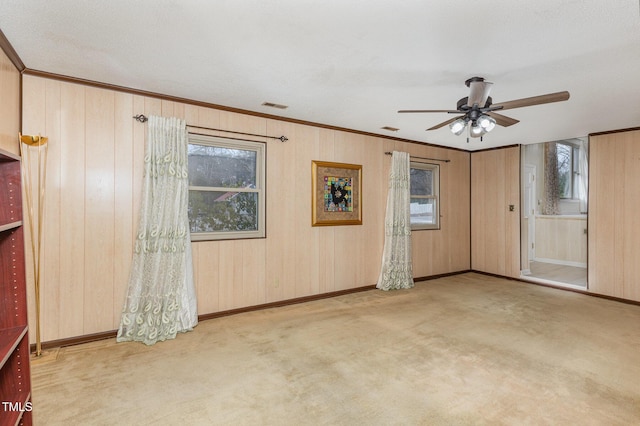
(466,349)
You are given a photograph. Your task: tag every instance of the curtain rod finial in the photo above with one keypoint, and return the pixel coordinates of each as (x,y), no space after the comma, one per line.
(141,118)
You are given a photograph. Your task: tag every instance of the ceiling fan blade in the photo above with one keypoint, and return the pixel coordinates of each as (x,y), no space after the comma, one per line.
(479,93)
(444,123)
(431,110)
(534,100)
(502,120)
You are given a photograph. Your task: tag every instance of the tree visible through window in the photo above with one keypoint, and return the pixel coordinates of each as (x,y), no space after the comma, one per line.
(567,156)
(425,196)
(226,188)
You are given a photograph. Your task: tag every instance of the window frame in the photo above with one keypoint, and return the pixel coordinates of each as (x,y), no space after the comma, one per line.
(260,186)
(573,172)
(435,168)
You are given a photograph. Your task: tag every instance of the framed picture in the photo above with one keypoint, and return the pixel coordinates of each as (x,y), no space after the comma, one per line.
(336,196)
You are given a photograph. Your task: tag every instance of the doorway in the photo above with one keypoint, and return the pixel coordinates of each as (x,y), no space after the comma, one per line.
(554,212)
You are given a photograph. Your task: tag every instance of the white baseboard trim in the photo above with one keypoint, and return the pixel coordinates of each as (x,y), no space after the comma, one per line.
(555,283)
(560,262)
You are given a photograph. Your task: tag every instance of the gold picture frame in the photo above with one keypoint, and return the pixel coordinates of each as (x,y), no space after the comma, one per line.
(336,195)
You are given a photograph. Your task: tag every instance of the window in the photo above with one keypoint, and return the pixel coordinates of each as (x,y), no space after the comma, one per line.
(568,174)
(425,202)
(226,188)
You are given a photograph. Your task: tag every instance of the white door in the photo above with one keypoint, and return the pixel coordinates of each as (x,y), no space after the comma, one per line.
(530,205)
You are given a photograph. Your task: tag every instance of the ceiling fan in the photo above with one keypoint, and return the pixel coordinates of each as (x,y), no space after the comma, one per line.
(479,112)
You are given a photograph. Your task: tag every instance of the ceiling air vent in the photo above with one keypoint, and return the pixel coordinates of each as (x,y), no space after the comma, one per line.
(389,128)
(272,105)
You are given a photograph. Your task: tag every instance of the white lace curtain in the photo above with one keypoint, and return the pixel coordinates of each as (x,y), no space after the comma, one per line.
(397,271)
(161,299)
(551,180)
(583,175)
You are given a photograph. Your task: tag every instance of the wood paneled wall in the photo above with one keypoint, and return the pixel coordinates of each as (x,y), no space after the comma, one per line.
(561,239)
(93,196)
(614,220)
(495,185)
(9,105)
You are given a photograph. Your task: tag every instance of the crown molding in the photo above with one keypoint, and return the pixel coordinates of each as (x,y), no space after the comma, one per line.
(107,86)
(11,53)
(630,129)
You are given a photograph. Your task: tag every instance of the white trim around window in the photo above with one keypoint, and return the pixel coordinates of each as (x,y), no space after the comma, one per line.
(425,196)
(225,202)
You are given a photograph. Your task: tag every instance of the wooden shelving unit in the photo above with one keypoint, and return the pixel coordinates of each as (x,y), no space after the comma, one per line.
(15,374)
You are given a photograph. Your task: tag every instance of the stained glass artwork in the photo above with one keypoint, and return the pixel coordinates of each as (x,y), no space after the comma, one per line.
(338,195)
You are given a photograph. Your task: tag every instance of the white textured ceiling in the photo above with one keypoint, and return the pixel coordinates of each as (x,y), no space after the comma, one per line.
(353,63)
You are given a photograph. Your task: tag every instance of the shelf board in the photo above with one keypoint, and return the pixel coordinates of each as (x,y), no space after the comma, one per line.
(10,226)
(9,339)
(7,156)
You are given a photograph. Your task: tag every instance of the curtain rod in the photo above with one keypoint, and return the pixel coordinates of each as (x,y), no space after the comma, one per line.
(142,119)
(422,158)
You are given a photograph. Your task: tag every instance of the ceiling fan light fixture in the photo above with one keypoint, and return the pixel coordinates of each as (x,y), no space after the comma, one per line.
(457,127)
(478,110)
(487,123)
(476,130)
